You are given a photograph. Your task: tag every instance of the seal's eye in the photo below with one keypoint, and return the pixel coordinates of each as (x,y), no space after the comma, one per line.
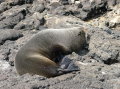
(80,33)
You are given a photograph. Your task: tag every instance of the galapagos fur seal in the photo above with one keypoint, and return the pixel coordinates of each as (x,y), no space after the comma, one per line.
(39,54)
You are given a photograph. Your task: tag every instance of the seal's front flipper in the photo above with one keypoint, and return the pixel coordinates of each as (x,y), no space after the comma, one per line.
(67,65)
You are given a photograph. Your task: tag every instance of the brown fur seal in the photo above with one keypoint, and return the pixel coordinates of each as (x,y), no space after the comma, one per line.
(38,55)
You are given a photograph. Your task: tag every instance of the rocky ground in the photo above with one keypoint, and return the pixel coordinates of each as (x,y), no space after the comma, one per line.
(99,63)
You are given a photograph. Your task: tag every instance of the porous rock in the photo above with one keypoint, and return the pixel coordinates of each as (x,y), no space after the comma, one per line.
(38,7)
(105,46)
(12,16)
(32,22)
(9,34)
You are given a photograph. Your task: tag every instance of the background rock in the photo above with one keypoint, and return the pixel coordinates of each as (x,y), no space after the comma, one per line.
(12,16)
(38,7)
(99,62)
(9,34)
(105,46)
(32,22)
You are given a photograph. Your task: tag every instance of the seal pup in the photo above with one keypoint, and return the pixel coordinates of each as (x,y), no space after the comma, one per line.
(39,54)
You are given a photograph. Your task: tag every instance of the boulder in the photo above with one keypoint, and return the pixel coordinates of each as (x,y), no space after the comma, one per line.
(9,34)
(38,6)
(32,22)
(12,16)
(105,46)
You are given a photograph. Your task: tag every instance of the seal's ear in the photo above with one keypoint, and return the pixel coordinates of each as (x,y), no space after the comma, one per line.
(87,36)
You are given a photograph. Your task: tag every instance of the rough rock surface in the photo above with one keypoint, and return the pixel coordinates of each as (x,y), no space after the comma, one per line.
(105,46)
(99,62)
(12,16)
(32,22)
(9,34)
(110,19)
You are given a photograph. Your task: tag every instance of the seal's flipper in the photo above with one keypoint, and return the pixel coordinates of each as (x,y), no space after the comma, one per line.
(67,65)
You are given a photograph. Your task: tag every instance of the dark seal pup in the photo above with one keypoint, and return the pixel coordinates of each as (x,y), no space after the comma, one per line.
(39,54)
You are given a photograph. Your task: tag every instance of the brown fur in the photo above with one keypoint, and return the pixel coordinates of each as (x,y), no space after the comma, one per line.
(37,55)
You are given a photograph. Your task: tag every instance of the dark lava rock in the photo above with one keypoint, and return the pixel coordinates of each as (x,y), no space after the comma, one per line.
(64,2)
(4,6)
(92,9)
(12,16)
(9,3)
(113,2)
(4,54)
(38,7)
(19,2)
(9,34)
(105,46)
(85,10)
(2,1)
(32,22)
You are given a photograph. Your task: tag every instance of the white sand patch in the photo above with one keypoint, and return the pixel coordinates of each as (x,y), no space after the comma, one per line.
(4,65)
(82,63)
(103,72)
